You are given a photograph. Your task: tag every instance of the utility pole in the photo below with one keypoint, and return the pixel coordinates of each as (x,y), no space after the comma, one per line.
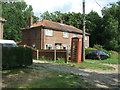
(83,41)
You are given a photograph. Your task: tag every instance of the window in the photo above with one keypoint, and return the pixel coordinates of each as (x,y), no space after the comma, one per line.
(49,32)
(58,46)
(65,47)
(65,34)
(48,46)
(74,35)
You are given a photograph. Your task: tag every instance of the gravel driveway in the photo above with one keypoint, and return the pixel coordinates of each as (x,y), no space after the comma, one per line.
(98,78)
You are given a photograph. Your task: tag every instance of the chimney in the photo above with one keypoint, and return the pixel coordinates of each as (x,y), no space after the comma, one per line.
(30,21)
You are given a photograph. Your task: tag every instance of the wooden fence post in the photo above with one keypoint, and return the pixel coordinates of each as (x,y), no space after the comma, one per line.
(37,54)
(67,56)
(55,55)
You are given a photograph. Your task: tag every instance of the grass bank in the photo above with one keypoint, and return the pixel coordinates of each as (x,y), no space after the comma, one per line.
(32,78)
(90,63)
(114,59)
(85,64)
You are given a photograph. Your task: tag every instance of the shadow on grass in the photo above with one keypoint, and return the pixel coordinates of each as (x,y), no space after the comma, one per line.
(97,80)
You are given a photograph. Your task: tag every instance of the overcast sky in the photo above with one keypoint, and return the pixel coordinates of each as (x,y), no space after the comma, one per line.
(40,6)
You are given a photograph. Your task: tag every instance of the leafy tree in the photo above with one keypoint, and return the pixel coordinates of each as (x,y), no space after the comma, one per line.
(111,26)
(16,14)
(93,26)
(74,19)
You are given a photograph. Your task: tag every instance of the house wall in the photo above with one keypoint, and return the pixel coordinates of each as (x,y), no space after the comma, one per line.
(38,37)
(58,38)
(32,37)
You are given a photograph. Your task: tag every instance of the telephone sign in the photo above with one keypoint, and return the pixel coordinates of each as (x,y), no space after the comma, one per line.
(76,50)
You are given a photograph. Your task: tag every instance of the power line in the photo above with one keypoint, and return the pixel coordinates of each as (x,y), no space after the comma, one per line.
(98,3)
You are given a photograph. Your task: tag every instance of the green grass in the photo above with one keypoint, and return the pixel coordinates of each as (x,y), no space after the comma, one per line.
(114,59)
(14,71)
(32,78)
(88,65)
(60,80)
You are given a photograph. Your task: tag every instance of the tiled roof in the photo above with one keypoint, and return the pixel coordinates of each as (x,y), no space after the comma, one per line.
(56,26)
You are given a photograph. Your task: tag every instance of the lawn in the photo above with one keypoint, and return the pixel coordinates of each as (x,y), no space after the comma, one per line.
(114,59)
(91,64)
(32,78)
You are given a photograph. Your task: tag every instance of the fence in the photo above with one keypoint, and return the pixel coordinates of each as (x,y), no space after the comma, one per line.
(51,54)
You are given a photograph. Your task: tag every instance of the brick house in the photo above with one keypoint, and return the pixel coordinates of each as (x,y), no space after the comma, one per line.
(2,20)
(47,34)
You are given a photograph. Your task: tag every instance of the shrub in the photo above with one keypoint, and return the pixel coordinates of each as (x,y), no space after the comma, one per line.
(16,57)
(88,49)
(98,47)
(113,52)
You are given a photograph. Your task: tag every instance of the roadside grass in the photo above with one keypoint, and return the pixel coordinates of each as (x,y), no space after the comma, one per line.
(33,78)
(14,71)
(114,59)
(85,64)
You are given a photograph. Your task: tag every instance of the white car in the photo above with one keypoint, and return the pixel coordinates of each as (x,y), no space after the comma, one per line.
(8,43)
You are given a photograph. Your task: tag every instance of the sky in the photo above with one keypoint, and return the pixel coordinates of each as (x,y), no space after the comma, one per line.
(40,6)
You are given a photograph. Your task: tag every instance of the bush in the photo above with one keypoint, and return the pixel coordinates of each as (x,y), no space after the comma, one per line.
(100,47)
(16,57)
(88,49)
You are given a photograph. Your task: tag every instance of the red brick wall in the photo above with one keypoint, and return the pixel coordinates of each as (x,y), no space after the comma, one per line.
(58,38)
(31,37)
(38,37)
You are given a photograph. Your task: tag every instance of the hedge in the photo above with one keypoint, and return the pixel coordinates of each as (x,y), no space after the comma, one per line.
(16,57)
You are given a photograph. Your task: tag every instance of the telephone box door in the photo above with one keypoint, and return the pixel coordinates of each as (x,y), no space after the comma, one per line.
(76,50)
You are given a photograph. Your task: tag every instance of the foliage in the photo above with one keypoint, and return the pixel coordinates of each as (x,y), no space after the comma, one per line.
(88,49)
(111,27)
(16,14)
(16,57)
(103,31)
(74,19)
(98,47)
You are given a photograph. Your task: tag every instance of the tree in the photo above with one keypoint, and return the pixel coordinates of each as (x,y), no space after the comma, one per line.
(111,26)
(74,19)
(16,14)
(93,26)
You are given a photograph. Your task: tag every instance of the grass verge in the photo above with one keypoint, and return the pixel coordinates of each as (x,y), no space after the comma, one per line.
(114,59)
(32,78)
(85,64)
(93,64)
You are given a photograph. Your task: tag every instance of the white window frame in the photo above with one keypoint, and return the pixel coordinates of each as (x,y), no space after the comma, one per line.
(57,46)
(66,47)
(48,32)
(65,34)
(75,35)
(47,46)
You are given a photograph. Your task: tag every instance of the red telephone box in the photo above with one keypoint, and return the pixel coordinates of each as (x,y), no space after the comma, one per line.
(76,50)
